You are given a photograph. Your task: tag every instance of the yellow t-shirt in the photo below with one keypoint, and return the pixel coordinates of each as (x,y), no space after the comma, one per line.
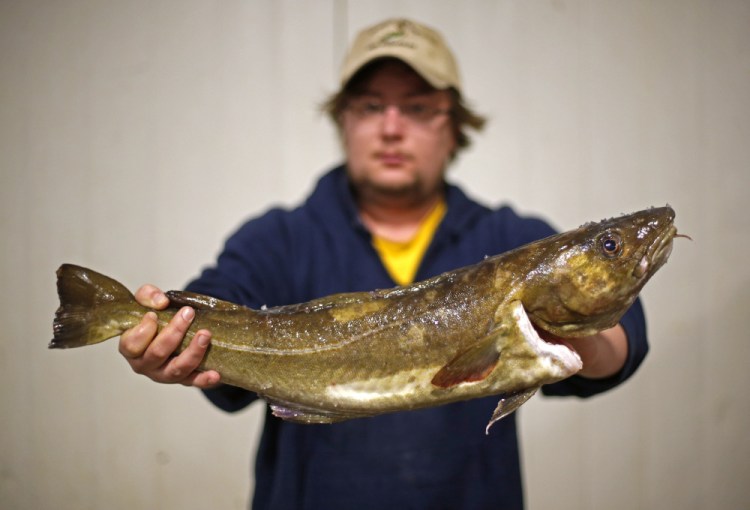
(402,259)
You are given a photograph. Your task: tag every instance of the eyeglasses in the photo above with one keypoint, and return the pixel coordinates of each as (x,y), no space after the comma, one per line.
(418,112)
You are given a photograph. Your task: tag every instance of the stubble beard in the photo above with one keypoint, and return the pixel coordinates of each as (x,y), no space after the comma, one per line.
(400,195)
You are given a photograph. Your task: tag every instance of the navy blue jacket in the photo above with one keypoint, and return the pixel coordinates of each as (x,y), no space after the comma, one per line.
(428,459)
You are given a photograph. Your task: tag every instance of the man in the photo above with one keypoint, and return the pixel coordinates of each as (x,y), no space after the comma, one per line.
(386,216)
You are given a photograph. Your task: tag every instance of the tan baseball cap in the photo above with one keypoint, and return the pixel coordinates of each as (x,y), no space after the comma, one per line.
(419,46)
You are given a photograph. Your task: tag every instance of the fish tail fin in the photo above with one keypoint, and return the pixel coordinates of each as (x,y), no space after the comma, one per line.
(86,314)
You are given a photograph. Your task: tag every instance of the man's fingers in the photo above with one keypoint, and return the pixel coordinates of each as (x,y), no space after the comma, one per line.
(153,353)
(181,368)
(135,341)
(168,339)
(203,380)
(152,297)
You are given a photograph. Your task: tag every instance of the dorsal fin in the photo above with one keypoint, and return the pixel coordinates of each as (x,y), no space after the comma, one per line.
(200,301)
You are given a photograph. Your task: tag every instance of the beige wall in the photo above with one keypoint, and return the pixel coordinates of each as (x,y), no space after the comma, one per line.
(134,136)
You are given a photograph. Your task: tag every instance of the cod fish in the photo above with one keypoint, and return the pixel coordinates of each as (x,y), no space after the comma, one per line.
(464,334)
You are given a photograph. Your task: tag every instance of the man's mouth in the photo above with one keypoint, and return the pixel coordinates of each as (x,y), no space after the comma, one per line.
(391,158)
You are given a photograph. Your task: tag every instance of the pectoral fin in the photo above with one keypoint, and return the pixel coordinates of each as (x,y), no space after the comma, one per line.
(479,360)
(471,365)
(508,404)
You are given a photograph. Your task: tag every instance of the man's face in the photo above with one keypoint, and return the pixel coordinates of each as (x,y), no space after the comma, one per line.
(402,150)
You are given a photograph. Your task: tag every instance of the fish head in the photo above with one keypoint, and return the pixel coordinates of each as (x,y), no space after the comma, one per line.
(589,277)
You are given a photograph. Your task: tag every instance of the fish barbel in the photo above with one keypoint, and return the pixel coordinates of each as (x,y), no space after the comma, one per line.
(464,334)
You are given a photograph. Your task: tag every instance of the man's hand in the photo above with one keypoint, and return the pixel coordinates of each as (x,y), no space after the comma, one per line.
(603,354)
(152,353)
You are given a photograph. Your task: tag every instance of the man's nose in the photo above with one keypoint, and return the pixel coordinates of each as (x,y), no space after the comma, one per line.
(393,121)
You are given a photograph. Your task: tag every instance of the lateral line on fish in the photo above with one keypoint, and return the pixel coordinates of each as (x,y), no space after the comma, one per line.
(308,350)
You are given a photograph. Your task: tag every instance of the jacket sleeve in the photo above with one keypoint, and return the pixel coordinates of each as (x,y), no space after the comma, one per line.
(230,398)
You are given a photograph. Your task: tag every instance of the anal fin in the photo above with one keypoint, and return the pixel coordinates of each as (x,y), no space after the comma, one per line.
(299,414)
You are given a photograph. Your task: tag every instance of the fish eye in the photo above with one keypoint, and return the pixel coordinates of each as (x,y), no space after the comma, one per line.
(610,244)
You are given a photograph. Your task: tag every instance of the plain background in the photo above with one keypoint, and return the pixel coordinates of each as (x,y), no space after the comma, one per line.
(136,135)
